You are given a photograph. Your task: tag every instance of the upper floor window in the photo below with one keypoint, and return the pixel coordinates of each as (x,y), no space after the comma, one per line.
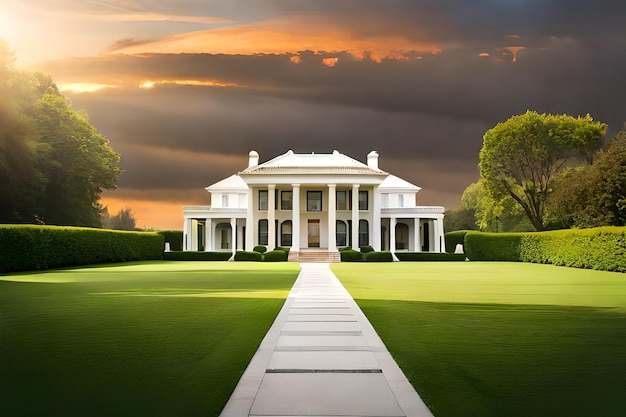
(263,200)
(314,201)
(400,200)
(384,200)
(363,200)
(225,200)
(286,200)
(343,200)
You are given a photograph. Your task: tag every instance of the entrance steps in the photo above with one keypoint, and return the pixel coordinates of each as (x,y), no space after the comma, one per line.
(309,255)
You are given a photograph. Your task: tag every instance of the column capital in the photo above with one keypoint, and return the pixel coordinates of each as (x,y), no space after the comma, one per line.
(356,185)
(271,186)
(295,185)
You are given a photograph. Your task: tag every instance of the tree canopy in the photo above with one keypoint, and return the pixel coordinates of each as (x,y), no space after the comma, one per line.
(522,156)
(53,162)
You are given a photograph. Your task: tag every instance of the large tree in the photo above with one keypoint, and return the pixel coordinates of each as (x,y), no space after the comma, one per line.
(522,156)
(53,162)
(595,195)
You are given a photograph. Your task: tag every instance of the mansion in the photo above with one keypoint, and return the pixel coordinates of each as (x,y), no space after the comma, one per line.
(318,202)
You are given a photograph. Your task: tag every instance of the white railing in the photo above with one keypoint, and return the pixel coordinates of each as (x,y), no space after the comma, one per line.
(413,210)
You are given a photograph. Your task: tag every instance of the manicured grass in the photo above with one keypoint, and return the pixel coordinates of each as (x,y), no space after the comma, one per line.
(149,338)
(501,339)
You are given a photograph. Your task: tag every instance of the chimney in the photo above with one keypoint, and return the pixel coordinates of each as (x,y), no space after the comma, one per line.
(372,160)
(253,159)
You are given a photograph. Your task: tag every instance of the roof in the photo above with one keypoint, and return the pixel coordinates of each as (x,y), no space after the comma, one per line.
(234,182)
(395,183)
(293,163)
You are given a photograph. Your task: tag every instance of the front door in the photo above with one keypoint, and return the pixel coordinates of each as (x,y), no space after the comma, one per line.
(314,233)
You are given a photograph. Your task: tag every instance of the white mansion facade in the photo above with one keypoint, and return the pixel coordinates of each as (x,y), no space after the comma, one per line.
(320,201)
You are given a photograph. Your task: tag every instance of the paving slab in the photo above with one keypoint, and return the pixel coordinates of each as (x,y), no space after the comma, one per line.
(322,357)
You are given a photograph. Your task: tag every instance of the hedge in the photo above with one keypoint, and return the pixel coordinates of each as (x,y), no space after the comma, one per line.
(455,238)
(482,246)
(197,256)
(350,255)
(366,249)
(260,249)
(602,248)
(428,256)
(248,256)
(384,256)
(28,247)
(276,255)
(174,237)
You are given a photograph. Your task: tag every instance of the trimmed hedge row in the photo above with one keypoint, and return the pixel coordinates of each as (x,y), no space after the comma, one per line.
(429,257)
(174,237)
(602,248)
(196,256)
(28,247)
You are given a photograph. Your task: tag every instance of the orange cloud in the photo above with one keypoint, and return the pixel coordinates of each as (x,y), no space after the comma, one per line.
(330,62)
(303,33)
(205,83)
(484,54)
(513,50)
(295,59)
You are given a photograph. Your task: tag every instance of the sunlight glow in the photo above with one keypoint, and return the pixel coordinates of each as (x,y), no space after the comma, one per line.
(204,83)
(84,87)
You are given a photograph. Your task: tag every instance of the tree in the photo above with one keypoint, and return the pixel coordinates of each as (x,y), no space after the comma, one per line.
(595,195)
(53,163)
(123,220)
(522,156)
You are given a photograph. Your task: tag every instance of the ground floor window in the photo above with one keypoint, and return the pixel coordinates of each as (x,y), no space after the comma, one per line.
(341,233)
(364,233)
(263,233)
(286,233)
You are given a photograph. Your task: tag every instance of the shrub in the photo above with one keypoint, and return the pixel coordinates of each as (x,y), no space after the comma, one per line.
(197,256)
(366,249)
(260,249)
(455,238)
(28,247)
(350,255)
(602,248)
(174,237)
(481,246)
(248,256)
(341,249)
(283,248)
(428,256)
(384,256)
(276,255)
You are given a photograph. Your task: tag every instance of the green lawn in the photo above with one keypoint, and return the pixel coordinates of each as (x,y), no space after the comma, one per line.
(139,339)
(501,339)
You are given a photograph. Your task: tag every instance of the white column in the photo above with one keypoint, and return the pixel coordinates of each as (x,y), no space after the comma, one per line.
(441,236)
(355,216)
(271,217)
(208,235)
(250,221)
(233,234)
(392,234)
(295,220)
(332,218)
(376,220)
(187,231)
(417,235)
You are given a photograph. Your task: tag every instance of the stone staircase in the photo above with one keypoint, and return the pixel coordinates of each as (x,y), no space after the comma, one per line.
(309,255)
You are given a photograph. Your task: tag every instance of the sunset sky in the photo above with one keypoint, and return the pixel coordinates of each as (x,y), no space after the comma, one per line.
(184,89)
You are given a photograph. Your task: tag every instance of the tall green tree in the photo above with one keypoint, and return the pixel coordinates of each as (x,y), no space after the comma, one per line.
(53,162)
(522,156)
(595,195)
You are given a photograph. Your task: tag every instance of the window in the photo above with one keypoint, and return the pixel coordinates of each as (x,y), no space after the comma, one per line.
(342,232)
(384,200)
(263,200)
(263,235)
(314,201)
(342,200)
(400,200)
(286,198)
(363,200)
(285,233)
(224,200)
(364,233)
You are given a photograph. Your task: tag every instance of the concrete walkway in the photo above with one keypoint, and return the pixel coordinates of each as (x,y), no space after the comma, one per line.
(322,357)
